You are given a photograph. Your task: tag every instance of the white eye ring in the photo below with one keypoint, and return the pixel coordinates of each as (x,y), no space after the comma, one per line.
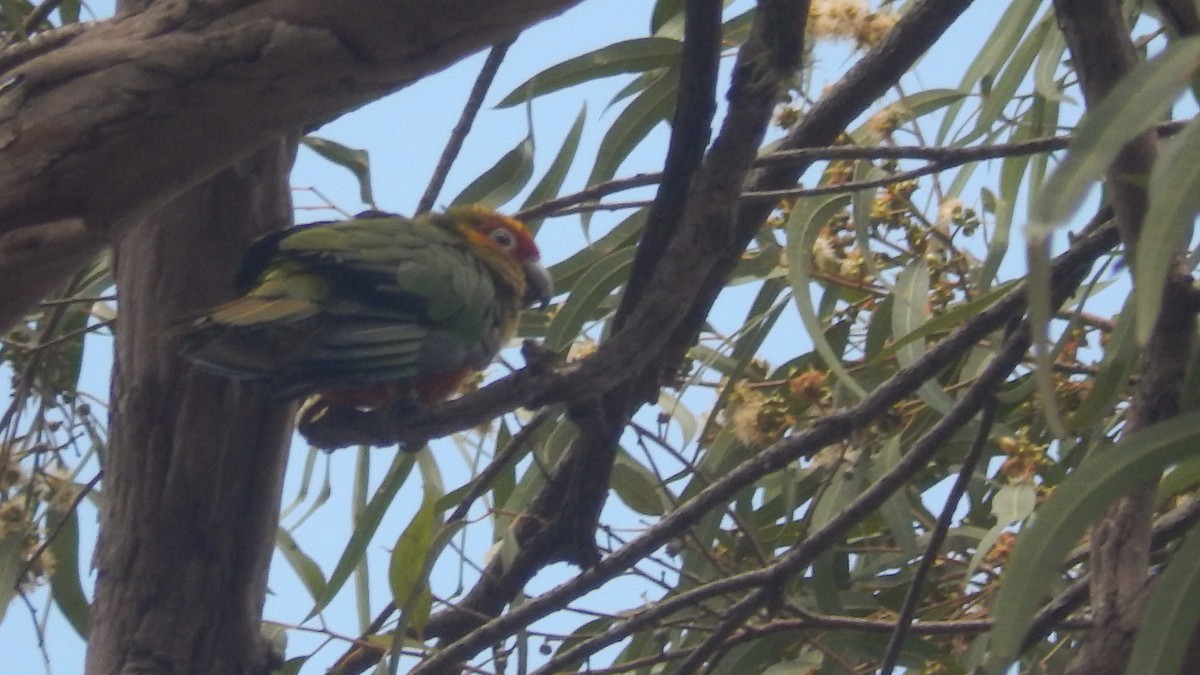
(503,238)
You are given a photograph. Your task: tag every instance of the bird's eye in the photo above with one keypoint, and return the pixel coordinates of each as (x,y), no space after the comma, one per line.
(503,238)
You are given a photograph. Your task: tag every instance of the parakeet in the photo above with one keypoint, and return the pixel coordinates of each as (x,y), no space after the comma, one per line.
(376,309)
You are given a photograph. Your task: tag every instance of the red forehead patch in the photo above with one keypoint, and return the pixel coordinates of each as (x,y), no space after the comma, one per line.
(526,248)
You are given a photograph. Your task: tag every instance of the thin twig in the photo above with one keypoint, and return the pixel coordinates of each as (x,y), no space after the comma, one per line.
(483,481)
(87,488)
(78,299)
(908,610)
(822,432)
(940,158)
(483,82)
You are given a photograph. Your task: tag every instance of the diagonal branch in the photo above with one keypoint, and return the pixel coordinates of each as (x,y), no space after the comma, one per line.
(832,428)
(908,611)
(1069,269)
(483,82)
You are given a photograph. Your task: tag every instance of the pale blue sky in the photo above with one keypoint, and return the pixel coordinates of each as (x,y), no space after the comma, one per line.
(405,134)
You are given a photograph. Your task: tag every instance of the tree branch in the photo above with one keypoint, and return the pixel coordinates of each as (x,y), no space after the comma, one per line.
(458,135)
(826,430)
(209,86)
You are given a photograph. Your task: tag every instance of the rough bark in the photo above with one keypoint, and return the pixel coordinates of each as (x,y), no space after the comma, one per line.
(1103,52)
(103,123)
(194,470)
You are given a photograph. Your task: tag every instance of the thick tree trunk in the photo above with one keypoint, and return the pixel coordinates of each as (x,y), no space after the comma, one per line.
(1103,53)
(193,474)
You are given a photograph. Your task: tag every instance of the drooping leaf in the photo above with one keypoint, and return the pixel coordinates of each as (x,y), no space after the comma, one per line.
(12,564)
(593,287)
(909,313)
(1002,92)
(1135,103)
(652,107)
(1011,504)
(365,526)
(504,179)
(637,486)
(625,234)
(629,56)
(1167,227)
(1079,500)
(301,563)
(408,575)
(552,181)
(355,160)
(65,586)
(1170,615)
(993,54)
(803,226)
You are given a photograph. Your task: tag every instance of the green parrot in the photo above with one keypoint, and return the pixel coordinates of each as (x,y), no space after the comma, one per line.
(374,310)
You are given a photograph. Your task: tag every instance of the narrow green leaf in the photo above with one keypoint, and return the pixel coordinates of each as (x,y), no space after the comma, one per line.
(504,179)
(637,487)
(922,103)
(1080,499)
(909,313)
(674,409)
(1044,123)
(65,587)
(1045,73)
(652,107)
(756,656)
(1167,227)
(587,630)
(629,56)
(1170,615)
(1012,172)
(845,482)
(593,287)
(896,511)
(552,181)
(862,202)
(803,227)
(1015,73)
(408,568)
(995,52)
(12,562)
(664,11)
(1112,376)
(306,475)
(1138,101)
(1184,476)
(291,666)
(1037,253)
(304,566)
(68,11)
(357,161)
(1011,504)
(625,234)
(365,527)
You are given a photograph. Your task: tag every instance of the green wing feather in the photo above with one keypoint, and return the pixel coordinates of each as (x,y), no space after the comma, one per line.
(357,302)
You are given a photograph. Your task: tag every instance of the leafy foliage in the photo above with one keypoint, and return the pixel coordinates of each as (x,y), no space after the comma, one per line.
(831,393)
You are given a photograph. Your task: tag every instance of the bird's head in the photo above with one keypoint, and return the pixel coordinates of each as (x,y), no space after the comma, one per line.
(495,235)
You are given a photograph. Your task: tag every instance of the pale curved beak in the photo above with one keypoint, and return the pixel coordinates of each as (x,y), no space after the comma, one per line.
(539,287)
